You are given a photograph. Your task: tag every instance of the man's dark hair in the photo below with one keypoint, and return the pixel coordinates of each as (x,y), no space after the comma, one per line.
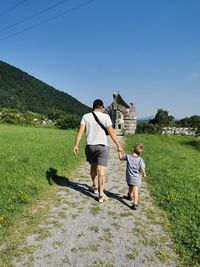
(98,103)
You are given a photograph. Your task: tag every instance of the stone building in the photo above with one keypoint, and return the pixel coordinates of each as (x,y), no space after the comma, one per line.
(122,115)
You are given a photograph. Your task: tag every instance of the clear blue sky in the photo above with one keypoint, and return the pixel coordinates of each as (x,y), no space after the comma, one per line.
(148,50)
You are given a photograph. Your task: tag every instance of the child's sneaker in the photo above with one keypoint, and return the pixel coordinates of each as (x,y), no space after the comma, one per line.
(102,198)
(135,207)
(129,197)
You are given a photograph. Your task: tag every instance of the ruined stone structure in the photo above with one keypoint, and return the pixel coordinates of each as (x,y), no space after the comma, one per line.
(123,116)
(179,131)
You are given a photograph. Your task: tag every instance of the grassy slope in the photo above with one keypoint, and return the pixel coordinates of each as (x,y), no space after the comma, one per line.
(174,179)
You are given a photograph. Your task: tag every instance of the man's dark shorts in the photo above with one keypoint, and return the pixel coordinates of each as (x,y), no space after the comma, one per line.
(97,154)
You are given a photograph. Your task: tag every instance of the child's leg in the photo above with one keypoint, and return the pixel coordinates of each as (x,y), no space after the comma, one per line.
(135,194)
(130,191)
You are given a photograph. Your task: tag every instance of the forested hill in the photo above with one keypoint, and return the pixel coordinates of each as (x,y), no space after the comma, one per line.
(19,90)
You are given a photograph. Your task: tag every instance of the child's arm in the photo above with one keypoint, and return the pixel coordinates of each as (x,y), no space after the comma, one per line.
(143,172)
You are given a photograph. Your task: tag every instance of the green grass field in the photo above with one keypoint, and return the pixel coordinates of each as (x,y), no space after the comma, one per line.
(173,175)
(26,155)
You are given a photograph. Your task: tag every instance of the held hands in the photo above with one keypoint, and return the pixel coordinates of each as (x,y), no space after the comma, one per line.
(120,155)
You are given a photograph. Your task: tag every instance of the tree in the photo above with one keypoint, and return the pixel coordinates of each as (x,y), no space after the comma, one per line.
(54,114)
(198,131)
(193,121)
(162,118)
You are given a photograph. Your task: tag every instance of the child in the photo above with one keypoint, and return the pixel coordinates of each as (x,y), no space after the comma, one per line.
(135,168)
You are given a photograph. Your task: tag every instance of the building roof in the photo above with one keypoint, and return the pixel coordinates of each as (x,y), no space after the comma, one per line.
(119,100)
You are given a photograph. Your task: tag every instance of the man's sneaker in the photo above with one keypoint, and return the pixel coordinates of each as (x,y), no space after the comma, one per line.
(102,198)
(94,190)
(135,207)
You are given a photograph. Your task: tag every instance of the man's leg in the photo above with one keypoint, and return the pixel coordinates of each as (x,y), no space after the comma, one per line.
(93,173)
(101,179)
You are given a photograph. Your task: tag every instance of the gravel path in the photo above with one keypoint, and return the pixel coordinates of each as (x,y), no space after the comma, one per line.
(82,232)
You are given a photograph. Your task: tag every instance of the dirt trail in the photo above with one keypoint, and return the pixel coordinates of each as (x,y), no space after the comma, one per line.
(82,232)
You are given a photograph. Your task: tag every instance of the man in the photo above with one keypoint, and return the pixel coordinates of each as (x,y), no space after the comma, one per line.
(97,150)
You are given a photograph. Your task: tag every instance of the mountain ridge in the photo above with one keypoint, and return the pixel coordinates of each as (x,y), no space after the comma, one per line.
(22,91)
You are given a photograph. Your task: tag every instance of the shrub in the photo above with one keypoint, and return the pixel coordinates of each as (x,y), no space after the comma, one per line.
(33,118)
(68,122)
(54,114)
(56,117)
(11,116)
(145,127)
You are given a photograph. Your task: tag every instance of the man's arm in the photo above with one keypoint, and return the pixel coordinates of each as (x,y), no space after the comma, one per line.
(78,138)
(114,138)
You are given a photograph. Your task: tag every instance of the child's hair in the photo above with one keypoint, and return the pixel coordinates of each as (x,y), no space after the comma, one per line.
(138,149)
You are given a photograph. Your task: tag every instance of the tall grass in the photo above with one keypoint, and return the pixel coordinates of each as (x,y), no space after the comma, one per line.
(26,155)
(173,168)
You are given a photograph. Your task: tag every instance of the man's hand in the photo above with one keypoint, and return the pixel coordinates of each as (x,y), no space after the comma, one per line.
(78,138)
(120,155)
(75,150)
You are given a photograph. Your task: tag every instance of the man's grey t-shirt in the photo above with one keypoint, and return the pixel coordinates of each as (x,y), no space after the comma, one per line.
(133,169)
(95,135)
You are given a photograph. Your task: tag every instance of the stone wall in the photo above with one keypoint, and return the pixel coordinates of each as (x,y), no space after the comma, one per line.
(130,121)
(179,131)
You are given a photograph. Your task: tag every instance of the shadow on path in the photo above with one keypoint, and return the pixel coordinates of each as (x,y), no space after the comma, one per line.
(53,177)
(117,197)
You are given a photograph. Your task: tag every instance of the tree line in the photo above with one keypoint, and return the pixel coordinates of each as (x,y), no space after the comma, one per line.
(163,119)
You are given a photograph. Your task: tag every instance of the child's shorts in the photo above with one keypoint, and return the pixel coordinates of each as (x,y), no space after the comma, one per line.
(134,181)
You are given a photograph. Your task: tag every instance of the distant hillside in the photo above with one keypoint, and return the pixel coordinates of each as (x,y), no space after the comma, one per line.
(21,91)
(145,118)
